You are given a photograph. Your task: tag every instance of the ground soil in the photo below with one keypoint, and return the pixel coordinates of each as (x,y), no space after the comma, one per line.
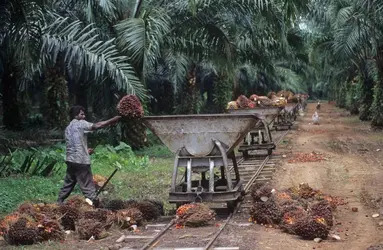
(352,170)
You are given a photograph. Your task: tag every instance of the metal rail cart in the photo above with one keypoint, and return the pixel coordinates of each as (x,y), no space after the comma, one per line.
(259,138)
(203,145)
(286,117)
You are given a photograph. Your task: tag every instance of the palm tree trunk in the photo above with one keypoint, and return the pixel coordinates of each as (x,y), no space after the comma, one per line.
(377,104)
(11,109)
(55,102)
(366,99)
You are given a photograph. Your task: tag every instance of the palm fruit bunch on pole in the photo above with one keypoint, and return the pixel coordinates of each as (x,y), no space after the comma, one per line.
(193,215)
(133,130)
(130,107)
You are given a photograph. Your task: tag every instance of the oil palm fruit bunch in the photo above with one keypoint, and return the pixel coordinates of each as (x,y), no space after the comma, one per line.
(130,107)
(8,221)
(27,208)
(133,131)
(267,212)
(86,228)
(243,102)
(291,214)
(311,227)
(158,204)
(271,95)
(279,102)
(264,101)
(50,230)
(127,217)
(253,97)
(149,210)
(130,203)
(324,210)
(22,232)
(114,205)
(78,202)
(259,191)
(194,215)
(232,105)
(47,209)
(69,215)
(283,198)
(100,215)
(305,191)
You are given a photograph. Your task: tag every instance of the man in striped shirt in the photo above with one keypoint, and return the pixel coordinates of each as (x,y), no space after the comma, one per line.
(78,155)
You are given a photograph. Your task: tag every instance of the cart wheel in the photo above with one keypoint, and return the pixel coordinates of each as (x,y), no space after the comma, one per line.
(231,205)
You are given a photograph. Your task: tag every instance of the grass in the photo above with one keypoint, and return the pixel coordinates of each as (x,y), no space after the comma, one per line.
(146,174)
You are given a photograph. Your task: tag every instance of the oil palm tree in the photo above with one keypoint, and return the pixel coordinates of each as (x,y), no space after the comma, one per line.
(34,38)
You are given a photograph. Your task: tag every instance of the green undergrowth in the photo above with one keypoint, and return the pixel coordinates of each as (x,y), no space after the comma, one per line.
(145,174)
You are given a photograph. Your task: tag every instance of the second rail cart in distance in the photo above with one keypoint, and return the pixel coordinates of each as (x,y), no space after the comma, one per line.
(259,138)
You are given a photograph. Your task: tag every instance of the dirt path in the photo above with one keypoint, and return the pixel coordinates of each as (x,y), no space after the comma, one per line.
(353,170)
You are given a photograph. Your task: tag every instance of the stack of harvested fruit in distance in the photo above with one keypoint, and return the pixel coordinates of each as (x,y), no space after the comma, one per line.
(272,99)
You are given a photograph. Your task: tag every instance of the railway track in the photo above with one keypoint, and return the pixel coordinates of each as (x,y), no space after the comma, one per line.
(256,169)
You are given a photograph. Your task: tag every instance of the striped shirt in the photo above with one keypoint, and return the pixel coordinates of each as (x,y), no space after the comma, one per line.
(76,141)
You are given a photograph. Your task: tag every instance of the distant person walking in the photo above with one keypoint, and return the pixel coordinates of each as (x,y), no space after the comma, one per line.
(77,155)
(318,106)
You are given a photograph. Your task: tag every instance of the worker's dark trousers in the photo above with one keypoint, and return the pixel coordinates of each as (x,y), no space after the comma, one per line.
(81,174)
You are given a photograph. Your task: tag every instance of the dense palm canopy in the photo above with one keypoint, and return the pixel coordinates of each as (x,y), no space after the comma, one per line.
(92,52)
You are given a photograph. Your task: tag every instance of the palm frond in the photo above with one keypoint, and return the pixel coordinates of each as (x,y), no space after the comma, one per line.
(142,37)
(82,48)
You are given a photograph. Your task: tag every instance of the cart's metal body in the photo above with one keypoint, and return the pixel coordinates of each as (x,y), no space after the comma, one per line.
(287,116)
(259,137)
(202,144)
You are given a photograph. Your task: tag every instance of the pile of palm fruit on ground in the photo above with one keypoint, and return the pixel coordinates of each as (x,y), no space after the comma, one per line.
(34,223)
(299,210)
(279,99)
(194,215)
